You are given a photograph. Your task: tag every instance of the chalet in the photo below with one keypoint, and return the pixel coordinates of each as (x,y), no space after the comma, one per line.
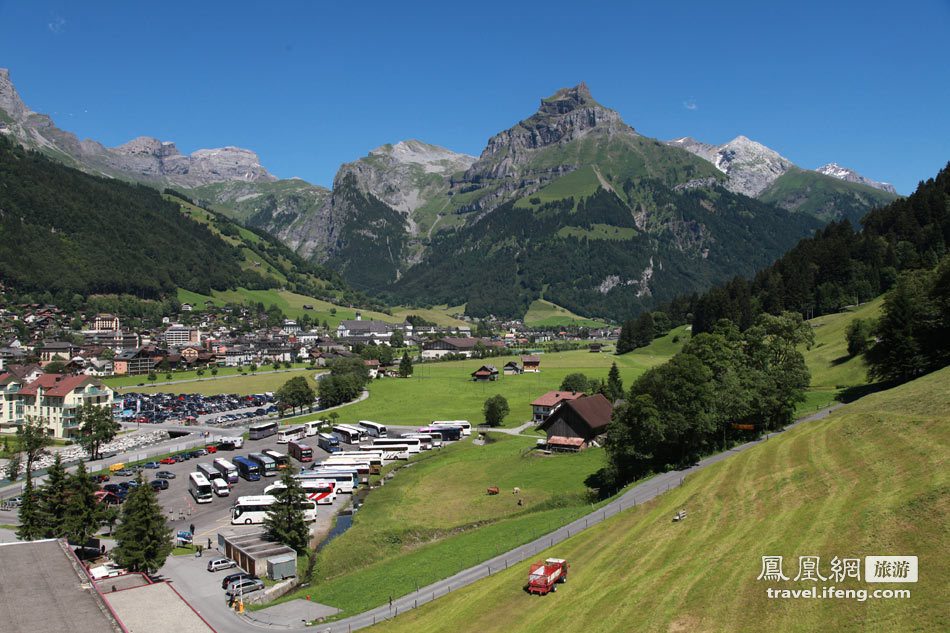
(531,363)
(372,365)
(596,348)
(512,368)
(485,373)
(546,404)
(577,423)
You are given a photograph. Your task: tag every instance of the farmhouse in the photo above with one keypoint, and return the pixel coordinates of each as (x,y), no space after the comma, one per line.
(512,368)
(531,363)
(546,404)
(485,373)
(576,423)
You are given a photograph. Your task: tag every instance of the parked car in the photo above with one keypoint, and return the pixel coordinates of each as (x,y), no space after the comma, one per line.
(165,474)
(244,586)
(217,564)
(241,575)
(168,460)
(150,465)
(225,446)
(113,488)
(211,448)
(159,484)
(124,472)
(221,487)
(98,479)
(16,502)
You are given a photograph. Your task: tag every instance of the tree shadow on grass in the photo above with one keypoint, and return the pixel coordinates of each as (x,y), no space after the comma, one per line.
(850,394)
(841,360)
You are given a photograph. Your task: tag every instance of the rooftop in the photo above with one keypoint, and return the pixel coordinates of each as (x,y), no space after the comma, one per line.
(551,398)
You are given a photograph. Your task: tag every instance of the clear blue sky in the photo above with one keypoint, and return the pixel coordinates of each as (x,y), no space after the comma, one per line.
(310,85)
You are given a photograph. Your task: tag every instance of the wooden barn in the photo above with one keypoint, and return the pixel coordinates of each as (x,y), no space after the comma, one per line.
(485,373)
(576,423)
(531,363)
(512,368)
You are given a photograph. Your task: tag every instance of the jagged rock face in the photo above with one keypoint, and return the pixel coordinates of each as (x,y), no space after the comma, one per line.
(843,173)
(569,114)
(401,175)
(144,159)
(751,166)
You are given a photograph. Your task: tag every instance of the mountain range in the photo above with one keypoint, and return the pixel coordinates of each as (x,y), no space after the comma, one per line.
(571,204)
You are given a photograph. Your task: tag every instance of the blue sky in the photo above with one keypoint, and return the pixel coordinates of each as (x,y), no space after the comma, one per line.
(310,85)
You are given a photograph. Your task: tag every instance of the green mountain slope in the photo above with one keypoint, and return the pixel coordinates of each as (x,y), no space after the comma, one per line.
(869,480)
(824,197)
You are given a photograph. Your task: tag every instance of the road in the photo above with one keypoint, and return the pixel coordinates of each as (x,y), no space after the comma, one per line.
(230,622)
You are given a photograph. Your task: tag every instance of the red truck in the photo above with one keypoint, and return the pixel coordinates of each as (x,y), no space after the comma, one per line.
(543,577)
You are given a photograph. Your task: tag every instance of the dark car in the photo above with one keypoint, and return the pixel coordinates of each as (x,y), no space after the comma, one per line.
(225,446)
(159,484)
(98,479)
(165,474)
(113,488)
(234,578)
(150,465)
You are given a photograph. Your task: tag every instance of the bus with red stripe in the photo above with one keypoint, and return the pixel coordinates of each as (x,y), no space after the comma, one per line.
(322,491)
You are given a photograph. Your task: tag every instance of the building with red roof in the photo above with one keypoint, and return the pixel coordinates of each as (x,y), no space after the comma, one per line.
(546,404)
(577,423)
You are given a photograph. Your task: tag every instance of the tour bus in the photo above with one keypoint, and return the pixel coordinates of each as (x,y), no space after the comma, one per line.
(424,438)
(435,438)
(320,490)
(291,434)
(462,424)
(449,433)
(261,430)
(254,509)
(210,472)
(200,488)
(362,465)
(414,444)
(247,469)
(228,470)
(313,427)
(347,434)
(345,480)
(373,429)
(375,457)
(388,453)
(300,452)
(329,443)
(266,466)
(283,461)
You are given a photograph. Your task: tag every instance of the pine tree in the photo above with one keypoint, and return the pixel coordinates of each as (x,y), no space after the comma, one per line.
(83,511)
(285,522)
(143,538)
(405,365)
(53,500)
(31,522)
(614,384)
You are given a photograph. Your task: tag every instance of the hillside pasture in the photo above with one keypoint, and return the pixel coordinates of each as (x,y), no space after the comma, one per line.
(871,479)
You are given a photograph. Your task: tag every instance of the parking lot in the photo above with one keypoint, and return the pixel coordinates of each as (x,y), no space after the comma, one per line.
(156,408)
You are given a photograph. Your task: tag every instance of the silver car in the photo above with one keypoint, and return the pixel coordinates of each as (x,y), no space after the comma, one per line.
(246,585)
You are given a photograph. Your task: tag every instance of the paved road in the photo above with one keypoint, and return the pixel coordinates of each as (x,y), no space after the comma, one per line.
(229,622)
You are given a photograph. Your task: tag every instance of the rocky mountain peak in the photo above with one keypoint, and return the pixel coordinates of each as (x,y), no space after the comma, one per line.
(843,173)
(567,99)
(751,166)
(10,100)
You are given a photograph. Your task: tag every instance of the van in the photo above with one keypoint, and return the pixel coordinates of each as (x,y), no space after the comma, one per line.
(247,585)
(220,487)
(221,563)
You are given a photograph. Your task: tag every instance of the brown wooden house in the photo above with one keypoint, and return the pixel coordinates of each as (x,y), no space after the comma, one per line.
(576,423)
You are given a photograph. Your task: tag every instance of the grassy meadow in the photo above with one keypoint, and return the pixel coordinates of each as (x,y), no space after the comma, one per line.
(252,383)
(435,517)
(445,391)
(828,359)
(871,479)
(544,313)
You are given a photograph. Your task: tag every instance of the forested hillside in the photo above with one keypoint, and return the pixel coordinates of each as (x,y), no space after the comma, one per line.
(839,265)
(516,254)
(66,232)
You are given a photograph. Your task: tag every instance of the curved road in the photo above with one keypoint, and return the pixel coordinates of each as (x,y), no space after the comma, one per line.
(635,496)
